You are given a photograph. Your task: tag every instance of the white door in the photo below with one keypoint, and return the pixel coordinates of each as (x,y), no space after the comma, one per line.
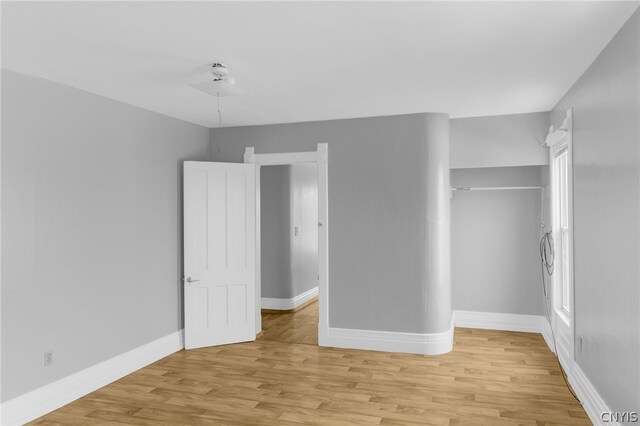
(219,253)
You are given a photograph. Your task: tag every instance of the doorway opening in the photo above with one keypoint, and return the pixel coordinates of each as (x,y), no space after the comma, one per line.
(291,245)
(289,252)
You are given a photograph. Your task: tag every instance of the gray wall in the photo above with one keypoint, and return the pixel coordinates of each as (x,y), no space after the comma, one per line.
(303,184)
(275,218)
(377,211)
(494,241)
(606,191)
(289,200)
(91,228)
(499,141)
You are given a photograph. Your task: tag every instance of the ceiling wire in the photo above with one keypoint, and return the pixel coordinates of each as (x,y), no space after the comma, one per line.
(219,113)
(219,119)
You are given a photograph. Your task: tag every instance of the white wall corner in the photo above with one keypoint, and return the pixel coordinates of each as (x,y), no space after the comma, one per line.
(34,404)
(389,341)
(292,303)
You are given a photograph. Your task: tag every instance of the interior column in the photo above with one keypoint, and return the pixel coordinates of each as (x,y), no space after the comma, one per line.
(438,250)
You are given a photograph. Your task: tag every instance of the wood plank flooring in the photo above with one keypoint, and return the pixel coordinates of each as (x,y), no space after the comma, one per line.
(296,327)
(283,378)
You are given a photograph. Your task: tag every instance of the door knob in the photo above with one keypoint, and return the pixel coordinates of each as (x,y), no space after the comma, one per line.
(189,280)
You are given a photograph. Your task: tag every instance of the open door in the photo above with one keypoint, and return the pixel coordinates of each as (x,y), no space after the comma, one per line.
(219,253)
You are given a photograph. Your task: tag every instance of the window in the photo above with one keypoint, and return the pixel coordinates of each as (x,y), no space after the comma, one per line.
(562,307)
(562,233)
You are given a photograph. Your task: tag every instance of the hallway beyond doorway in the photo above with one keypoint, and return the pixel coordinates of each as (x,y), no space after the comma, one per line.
(294,327)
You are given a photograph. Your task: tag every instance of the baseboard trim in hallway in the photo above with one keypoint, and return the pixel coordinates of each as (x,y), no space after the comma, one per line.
(290,304)
(41,401)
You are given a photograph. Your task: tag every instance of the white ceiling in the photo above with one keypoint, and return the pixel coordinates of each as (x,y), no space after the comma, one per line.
(314,61)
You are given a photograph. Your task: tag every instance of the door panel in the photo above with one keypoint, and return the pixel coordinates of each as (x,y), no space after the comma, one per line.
(236,222)
(219,253)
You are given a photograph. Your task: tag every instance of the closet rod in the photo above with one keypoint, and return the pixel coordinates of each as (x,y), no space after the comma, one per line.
(467,188)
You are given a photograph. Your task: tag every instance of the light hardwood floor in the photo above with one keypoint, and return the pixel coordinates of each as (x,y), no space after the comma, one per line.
(283,378)
(296,327)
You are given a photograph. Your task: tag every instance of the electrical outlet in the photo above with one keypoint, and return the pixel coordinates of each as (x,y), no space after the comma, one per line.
(580,344)
(48,358)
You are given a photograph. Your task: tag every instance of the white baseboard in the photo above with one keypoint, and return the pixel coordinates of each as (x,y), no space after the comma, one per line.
(498,321)
(286,304)
(545,330)
(387,341)
(591,400)
(41,401)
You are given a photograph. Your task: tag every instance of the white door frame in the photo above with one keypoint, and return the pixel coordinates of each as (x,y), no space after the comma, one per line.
(319,157)
(563,324)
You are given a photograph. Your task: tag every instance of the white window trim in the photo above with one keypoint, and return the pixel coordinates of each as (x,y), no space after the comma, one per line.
(558,306)
(556,141)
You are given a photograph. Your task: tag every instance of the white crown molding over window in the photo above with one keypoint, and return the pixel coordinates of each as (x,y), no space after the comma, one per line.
(558,135)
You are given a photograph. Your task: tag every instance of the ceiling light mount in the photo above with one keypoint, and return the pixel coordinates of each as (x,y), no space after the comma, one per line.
(221,73)
(222,83)
(219,70)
